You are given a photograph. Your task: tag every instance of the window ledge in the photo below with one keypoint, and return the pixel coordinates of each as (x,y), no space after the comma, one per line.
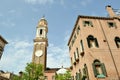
(77,60)
(82,53)
(101,76)
(74,63)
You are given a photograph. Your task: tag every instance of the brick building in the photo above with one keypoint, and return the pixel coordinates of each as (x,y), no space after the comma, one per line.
(94,47)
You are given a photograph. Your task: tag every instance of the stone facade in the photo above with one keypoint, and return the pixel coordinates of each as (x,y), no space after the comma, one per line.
(94,47)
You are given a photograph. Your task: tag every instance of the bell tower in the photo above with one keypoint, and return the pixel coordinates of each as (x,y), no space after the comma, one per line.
(40,43)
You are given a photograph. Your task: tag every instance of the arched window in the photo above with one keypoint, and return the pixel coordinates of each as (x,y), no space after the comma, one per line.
(41,31)
(117,41)
(92,42)
(99,69)
(85,73)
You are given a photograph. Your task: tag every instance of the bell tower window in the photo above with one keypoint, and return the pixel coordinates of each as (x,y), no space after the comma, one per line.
(41,31)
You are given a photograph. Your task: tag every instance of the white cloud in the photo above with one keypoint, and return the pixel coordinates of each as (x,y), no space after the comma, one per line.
(39,1)
(7,23)
(85,2)
(58,56)
(17,53)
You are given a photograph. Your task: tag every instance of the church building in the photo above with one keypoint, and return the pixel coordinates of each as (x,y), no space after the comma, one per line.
(40,49)
(94,47)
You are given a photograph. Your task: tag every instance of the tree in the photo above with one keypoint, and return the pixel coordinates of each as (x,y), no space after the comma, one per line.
(32,72)
(66,76)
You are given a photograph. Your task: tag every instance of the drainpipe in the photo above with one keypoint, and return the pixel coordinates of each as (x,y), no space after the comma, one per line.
(109,50)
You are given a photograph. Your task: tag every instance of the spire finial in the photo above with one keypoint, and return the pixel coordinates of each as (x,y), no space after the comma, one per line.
(43,16)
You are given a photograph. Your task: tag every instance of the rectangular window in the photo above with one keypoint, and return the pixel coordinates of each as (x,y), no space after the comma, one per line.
(71,61)
(41,31)
(72,42)
(69,48)
(77,76)
(77,52)
(78,29)
(75,37)
(111,24)
(53,77)
(74,56)
(81,46)
(87,23)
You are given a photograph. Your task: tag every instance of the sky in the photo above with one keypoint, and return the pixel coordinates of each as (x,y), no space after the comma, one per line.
(18,21)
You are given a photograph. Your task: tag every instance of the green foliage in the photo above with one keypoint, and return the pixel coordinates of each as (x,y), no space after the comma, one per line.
(32,72)
(66,76)
(15,77)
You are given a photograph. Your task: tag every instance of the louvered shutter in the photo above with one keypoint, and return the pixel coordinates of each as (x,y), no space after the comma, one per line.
(88,41)
(94,69)
(103,69)
(96,42)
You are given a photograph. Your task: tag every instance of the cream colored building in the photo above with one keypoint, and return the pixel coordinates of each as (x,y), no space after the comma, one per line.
(6,75)
(94,47)
(3,42)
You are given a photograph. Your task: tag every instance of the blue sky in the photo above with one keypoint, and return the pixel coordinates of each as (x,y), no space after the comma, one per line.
(18,21)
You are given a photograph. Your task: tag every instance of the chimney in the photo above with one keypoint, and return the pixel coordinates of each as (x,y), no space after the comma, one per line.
(110,11)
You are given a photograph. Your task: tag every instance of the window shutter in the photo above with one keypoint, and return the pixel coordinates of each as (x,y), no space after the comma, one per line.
(116,43)
(88,41)
(114,24)
(84,72)
(74,56)
(78,76)
(96,42)
(77,52)
(94,69)
(82,45)
(91,24)
(108,24)
(103,69)
(84,24)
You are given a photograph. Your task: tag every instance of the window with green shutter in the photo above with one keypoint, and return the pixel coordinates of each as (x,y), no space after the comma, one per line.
(99,69)
(92,42)
(77,76)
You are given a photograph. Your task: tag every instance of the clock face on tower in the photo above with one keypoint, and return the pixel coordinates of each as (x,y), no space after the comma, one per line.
(39,53)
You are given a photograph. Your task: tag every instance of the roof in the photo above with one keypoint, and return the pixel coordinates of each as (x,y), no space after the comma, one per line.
(61,71)
(88,17)
(51,70)
(3,40)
